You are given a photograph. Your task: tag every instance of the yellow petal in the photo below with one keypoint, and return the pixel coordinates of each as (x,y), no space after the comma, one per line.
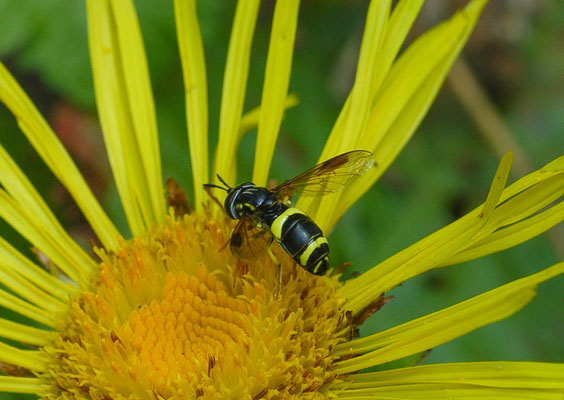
(396,31)
(23,333)
(195,86)
(56,157)
(275,89)
(26,309)
(363,91)
(251,118)
(24,209)
(393,34)
(27,226)
(447,391)
(32,360)
(28,291)
(427,253)
(407,94)
(523,216)
(518,204)
(16,384)
(527,203)
(234,86)
(248,122)
(442,326)
(310,204)
(473,380)
(510,236)
(140,100)
(551,169)
(361,97)
(14,261)
(116,119)
(372,66)
(541,377)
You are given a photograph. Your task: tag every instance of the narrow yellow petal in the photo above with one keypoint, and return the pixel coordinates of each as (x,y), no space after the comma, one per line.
(26,309)
(23,333)
(275,88)
(518,219)
(426,254)
(498,374)
(195,86)
(363,91)
(140,98)
(28,291)
(56,157)
(32,360)
(394,34)
(396,30)
(497,186)
(16,262)
(33,209)
(250,119)
(310,204)
(447,391)
(361,98)
(510,236)
(407,94)
(371,68)
(538,190)
(19,187)
(16,384)
(16,217)
(234,86)
(442,326)
(528,202)
(551,169)
(115,118)
(403,81)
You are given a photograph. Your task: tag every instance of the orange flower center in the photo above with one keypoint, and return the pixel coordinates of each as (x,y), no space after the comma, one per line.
(174,315)
(193,324)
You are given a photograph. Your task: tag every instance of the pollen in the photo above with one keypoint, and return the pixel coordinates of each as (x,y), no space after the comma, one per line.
(175,316)
(191,326)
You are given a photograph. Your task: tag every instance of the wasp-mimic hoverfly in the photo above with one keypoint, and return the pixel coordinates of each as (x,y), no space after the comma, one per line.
(268,214)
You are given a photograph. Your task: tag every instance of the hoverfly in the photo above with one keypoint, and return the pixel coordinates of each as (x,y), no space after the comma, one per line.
(266,215)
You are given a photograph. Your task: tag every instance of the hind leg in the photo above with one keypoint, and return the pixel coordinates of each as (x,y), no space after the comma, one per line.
(275,260)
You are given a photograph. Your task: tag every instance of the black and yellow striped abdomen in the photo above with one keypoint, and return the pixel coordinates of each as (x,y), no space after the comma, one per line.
(301,238)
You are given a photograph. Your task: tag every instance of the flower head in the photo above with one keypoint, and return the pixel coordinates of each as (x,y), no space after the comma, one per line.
(171,314)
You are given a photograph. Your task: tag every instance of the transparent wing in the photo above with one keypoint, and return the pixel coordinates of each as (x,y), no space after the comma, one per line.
(249,239)
(330,176)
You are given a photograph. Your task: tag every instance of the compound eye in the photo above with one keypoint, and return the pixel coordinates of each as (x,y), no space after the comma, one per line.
(231,206)
(233,211)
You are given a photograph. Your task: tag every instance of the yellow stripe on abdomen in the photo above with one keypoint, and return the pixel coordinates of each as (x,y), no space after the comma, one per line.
(278,223)
(310,249)
(322,261)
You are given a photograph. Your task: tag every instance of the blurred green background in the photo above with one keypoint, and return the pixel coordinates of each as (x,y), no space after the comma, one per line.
(444,172)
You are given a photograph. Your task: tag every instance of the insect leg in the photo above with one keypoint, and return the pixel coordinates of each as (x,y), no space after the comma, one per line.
(207,189)
(275,260)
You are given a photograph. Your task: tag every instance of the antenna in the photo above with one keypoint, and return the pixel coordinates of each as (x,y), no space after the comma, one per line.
(222,181)
(227,188)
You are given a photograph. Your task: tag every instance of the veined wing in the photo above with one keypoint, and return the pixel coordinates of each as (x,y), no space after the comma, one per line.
(249,239)
(329,176)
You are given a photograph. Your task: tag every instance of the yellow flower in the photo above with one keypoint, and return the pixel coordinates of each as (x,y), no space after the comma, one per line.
(170,313)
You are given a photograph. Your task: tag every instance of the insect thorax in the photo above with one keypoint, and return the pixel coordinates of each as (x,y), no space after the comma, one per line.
(248,199)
